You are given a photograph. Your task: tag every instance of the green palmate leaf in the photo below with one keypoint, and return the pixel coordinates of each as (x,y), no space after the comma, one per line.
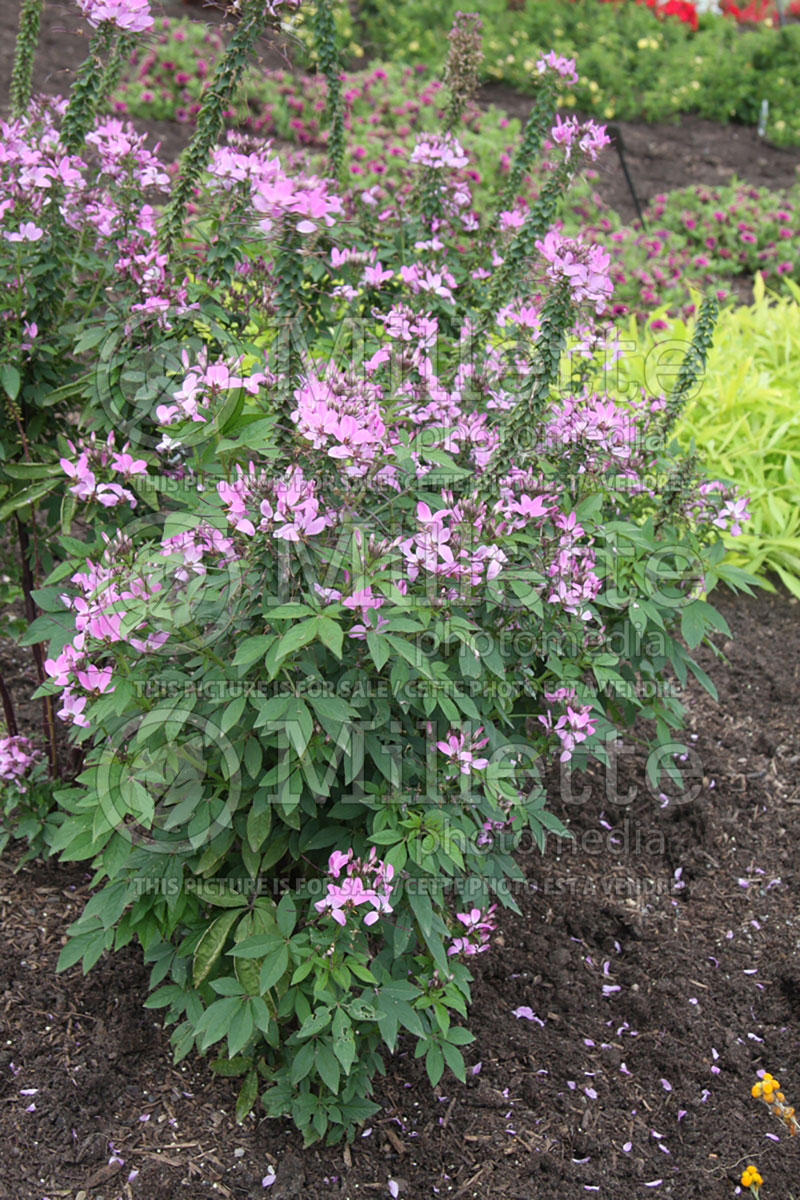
(240,1029)
(215,1021)
(274,968)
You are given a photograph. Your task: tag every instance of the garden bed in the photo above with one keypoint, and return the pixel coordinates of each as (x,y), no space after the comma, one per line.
(660,157)
(663,157)
(699,938)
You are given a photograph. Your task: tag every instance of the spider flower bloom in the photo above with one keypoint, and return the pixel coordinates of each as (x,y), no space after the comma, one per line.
(459,748)
(132,16)
(367,881)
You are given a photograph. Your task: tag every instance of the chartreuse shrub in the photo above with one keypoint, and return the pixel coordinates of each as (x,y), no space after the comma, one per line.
(362,544)
(742,420)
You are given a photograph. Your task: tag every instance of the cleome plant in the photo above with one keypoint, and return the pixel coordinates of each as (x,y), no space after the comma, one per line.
(333,541)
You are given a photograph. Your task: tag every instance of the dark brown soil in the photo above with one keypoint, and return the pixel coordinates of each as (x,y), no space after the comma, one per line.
(663,157)
(689,910)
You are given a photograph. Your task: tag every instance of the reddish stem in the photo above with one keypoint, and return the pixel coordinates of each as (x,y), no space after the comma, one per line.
(8,709)
(28,586)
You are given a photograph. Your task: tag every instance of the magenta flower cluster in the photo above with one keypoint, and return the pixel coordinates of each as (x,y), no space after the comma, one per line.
(97,458)
(17,756)
(366,882)
(478,926)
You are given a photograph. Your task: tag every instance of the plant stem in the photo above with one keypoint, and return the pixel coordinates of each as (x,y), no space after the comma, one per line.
(28,587)
(8,709)
(211,118)
(87,90)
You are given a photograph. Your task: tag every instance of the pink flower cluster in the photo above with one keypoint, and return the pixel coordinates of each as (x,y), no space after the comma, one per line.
(124,156)
(366,881)
(589,137)
(479,927)
(102,610)
(564,68)
(572,727)
(717,504)
(273,193)
(203,384)
(132,16)
(344,419)
(603,432)
(438,151)
(144,264)
(285,508)
(585,268)
(70,672)
(190,549)
(574,583)
(459,749)
(17,756)
(95,457)
(732,515)
(447,547)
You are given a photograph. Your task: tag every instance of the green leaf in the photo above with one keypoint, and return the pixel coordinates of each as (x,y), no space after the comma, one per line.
(378,648)
(259,822)
(297,637)
(230,1068)
(240,1030)
(422,908)
(693,624)
(320,1019)
(251,649)
(359,1010)
(10,379)
(274,968)
(302,1062)
(227,986)
(328,1067)
(214,1023)
(459,1036)
(210,945)
(257,946)
(247,1096)
(331,634)
(28,496)
(344,1042)
(434,1064)
(287,914)
(454,1060)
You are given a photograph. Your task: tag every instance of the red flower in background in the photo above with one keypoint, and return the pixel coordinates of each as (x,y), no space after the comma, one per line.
(753,12)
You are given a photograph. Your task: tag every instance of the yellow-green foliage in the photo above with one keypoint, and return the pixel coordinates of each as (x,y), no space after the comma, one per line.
(744,419)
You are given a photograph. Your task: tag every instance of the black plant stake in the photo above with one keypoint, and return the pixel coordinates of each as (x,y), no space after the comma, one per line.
(614,133)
